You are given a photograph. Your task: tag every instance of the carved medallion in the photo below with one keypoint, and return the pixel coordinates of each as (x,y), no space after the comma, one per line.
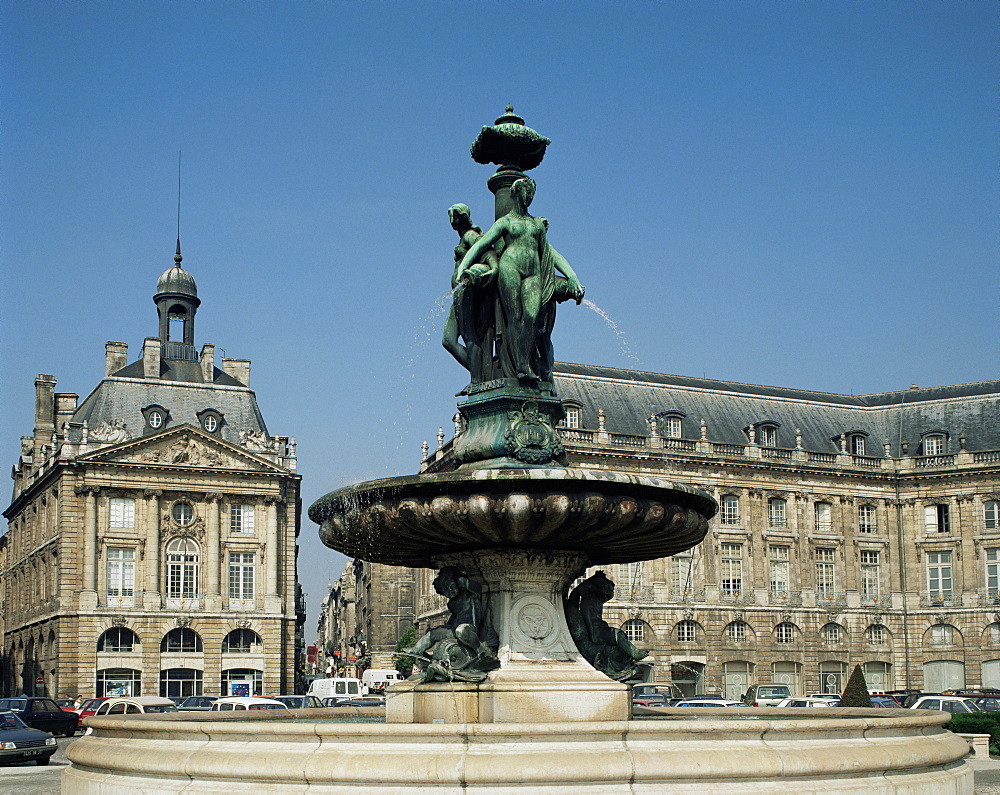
(530,437)
(183,621)
(534,623)
(243,623)
(119,621)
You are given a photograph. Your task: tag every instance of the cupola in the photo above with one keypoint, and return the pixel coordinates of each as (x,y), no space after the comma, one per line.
(177,301)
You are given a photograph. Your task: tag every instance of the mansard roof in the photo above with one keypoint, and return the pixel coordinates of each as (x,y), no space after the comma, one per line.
(120,397)
(628,397)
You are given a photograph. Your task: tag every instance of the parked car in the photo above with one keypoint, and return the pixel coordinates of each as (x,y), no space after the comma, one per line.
(42,714)
(299,702)
(362,701)
(237,703)
(135,705)
(766,694)
(987,703)
(806,701)
(946,703)
(90,706)
(20,743)
(650,700)
(707,702)
(196,704)
(885,702)
(67,705)
(911,699)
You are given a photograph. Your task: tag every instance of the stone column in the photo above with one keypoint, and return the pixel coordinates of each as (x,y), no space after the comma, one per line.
(88,598)
(273,546)
(213,552)
(151,595)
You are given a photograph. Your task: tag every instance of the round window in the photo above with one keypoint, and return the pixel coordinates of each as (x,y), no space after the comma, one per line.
(182,513)
(155,419)
(211,423)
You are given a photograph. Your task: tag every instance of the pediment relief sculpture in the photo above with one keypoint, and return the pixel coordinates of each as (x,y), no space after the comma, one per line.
(114,432)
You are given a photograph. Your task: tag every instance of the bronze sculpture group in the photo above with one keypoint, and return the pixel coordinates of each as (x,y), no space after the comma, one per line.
(507,282)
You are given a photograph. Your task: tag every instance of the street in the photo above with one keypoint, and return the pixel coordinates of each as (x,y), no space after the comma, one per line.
(27,778)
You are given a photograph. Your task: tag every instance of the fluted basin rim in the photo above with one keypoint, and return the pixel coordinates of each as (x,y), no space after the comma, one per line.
(613,517)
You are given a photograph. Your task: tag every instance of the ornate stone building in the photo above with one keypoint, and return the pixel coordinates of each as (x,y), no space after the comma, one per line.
(151,545)
(852,529)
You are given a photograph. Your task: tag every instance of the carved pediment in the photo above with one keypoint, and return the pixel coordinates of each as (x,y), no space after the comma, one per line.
(183,446)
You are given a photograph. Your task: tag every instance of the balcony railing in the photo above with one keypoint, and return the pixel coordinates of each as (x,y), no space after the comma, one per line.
(641,593)
(576,435)
(822,458)
(831,599)
(775,452)
(867,461)
(627,440)
(722,448)
(876,600)
(989,598)
(784,597)
(986,457)
(686,595)
(927,461)
(747,597)
(937,599)
(180,350)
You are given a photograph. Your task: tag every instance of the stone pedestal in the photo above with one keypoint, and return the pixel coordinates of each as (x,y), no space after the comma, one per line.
(542,677)
(507,425)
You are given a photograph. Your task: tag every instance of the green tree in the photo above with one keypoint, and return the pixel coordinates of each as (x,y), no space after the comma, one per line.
(404,662)
(856,692)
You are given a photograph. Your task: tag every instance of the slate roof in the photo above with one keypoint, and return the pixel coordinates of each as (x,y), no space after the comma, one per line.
(628,397)
(180,390)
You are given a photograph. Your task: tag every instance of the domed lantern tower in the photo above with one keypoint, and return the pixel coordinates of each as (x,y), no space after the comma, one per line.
(177,299)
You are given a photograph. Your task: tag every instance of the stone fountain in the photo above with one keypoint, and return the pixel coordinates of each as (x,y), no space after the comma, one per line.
(524,685)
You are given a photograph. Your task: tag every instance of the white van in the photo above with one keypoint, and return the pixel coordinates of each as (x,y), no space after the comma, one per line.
(337,687)
(378,679)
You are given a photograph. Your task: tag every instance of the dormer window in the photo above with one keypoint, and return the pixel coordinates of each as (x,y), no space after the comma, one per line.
(856,443)
(766,434)
(211,421)
(156,418)
(934,444)
(672,425)
(574,415)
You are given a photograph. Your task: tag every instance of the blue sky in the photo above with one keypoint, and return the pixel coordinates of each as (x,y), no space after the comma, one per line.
(795,193)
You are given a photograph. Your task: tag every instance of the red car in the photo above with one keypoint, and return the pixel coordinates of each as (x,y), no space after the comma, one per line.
(90,706)
(66,704)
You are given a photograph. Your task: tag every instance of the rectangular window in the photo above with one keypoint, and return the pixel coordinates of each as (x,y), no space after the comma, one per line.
(933,445)
(122,513)
(866,519)
(831,632)
(776,516)
(737,632)
(682,571)
(939,574)
(779,568)
(572,416)
(732,569)
(858,445)
(825,572)
(936,519)
(686,632)
(869,573)
(730,509)
(993,571)
(824,516)
(784,633)
(241,519)
(769,436)
(991,514)
(241,570)
(875,635)
(121,572)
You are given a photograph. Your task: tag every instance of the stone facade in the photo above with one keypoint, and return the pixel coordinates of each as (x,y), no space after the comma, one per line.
(151,545)
(852,529)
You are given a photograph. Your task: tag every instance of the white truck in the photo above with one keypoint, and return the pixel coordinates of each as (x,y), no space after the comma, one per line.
(378,679)
(338,687)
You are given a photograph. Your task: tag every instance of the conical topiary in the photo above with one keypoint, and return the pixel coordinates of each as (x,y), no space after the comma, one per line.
(856,692)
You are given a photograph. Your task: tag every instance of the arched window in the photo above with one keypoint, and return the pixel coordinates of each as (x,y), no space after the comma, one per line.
(121,640)
(738,632)
(687,632)
(875,635)
(182,640)
(182,568)
(634,630)
(784,632)
(934,444)
(672,426)
(242,641)
(856,443)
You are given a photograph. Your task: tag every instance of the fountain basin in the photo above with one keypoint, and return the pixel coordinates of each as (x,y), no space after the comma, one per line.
(611,517)
(690,750)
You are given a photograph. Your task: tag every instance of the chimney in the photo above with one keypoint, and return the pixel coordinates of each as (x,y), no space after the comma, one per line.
(65,406)
(115,357)
(238,369)
(208,363)
(151,349)
(45,389)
